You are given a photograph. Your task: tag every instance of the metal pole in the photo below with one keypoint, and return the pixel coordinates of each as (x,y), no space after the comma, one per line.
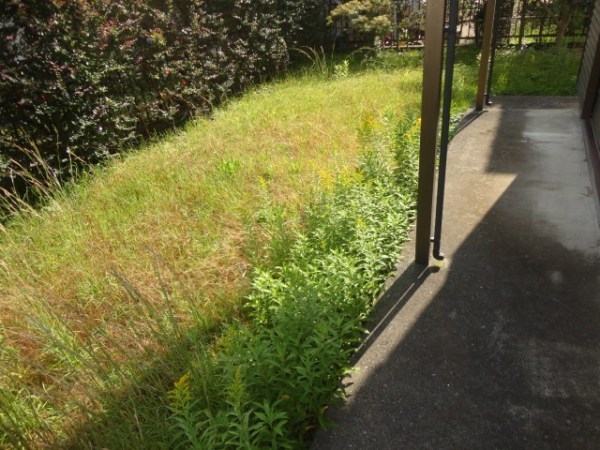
(430,112)
(485,53)
(445,136)
(522,24)
(488,90)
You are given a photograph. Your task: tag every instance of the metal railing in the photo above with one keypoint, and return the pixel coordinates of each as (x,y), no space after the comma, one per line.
(520,22)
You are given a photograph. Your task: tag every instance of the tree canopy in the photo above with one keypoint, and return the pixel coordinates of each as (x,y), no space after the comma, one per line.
(368,16)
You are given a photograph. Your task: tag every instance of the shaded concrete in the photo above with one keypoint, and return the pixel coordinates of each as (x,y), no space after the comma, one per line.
(499,346)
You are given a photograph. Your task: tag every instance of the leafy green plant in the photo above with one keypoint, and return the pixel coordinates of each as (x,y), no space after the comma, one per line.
(321,64)
(342,70)
(229,167)
(274,378)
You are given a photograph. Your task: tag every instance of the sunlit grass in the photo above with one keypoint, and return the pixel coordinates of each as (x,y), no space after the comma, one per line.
(178,224)
(551,71)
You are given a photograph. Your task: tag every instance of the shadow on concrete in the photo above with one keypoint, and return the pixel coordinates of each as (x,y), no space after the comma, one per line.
(391,302)
(500,347)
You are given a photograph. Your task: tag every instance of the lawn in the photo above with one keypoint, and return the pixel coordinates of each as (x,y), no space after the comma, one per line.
(532,72)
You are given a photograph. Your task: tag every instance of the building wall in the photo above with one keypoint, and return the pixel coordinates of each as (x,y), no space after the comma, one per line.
(587,84)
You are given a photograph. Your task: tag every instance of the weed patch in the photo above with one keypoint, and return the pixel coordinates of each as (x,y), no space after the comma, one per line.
(272,380)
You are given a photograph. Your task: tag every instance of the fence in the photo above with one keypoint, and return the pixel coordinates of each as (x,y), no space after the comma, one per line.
(527,22)
(519,22)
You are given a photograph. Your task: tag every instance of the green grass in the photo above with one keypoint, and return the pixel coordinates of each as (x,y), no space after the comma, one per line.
(117,294)
(551,71)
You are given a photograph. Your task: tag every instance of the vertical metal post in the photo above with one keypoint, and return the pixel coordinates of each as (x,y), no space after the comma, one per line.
(485,53)
(430,111)
(396,34)
(495,28)
(445,134)
(522,24)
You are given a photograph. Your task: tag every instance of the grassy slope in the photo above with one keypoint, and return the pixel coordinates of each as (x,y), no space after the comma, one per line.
(176,197)
(181,219)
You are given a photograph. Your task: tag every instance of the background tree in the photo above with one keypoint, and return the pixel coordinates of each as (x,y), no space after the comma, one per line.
(378,18)
(562,13)
(371,17)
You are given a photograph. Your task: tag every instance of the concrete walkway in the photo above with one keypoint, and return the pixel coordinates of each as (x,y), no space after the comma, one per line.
(499,346)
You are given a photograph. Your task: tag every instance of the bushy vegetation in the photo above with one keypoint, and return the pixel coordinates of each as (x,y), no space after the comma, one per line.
(112,290)
(272,380)
(84,79)
(376,18)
